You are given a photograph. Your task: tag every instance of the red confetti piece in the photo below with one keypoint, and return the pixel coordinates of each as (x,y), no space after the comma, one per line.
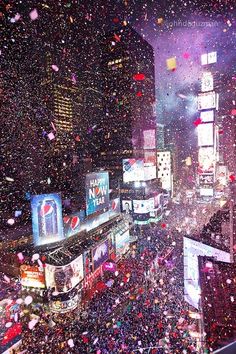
(139,94)
(173,69)
(139,77)
(186,55)
(232,178)
(116,20)
(197,122)
(163,225)
(221,131)
(233,112)
(117,38)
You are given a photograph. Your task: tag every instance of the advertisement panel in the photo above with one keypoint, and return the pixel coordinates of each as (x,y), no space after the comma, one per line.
(206,100)
(60,306)
(207,82)
(205,134)
(149,139)
(100,254)
(122,244)
(127,206)
(133,170)
(47,220)
(64,278)
(97,192)
(206,160)
(150,158)
(206,192)
(72,223)
(10,335)
(206,179)
(32,276)
(207,116)
(141,206)
(150,172)
(193,249)
(114,206)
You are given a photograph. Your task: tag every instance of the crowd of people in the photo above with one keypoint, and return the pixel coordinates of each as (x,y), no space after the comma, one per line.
(140,311)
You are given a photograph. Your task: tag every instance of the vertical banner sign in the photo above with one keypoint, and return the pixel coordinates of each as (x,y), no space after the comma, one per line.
(97,192)
(47,220)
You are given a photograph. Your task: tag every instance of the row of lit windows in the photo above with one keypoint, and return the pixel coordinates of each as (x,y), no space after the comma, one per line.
(117,61)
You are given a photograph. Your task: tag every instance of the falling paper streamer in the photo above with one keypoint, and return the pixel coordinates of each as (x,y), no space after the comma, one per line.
(171,63)
(35,257)
(51,136)
(28,300)
(20,256)
(70,343)
(6,279)
(11,221)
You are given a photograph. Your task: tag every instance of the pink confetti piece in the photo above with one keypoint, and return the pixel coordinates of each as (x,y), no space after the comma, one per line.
(7,279)
(33,14)
(51,136)
(55,67)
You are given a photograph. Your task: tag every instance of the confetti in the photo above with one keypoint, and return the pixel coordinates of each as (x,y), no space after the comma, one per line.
(33,15)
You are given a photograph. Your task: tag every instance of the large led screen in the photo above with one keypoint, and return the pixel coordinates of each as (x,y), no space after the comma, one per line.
(122,243)
(97,192)
(205,134)
(64,278)
(133,170)
(207,116)
(206,100)
(193,249)
(149,139)
(72,223)
(150,158)
(100,254)
(32,276)
(206,160)
(141,206)
(10,334)
(207,82)
(114,207)
(47,220)
(127,206)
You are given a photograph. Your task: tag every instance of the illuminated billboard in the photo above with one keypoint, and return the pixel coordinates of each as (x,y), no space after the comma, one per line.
(150,158)
(32,276)
(47,220)
(149,139)
(207,100)
(122,244)
(72,223)
(64,278)
(209,58)
(207,116)
(205,134)
(97,192)
(207,82)
(193,249)
(141,206)
(60,306)
(150,172)
(206,180)
(133,170)
(127,206)
(10,326)
(100,254)
(206,160)
(206,192)
(114,206)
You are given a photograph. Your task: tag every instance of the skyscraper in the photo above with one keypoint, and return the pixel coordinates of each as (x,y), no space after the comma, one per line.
(128,88)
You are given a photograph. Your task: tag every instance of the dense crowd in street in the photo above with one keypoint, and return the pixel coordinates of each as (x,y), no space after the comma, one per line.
(142,308)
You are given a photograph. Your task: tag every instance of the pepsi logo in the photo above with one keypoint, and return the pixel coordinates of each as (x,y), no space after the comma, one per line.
(75,222)
(46,209)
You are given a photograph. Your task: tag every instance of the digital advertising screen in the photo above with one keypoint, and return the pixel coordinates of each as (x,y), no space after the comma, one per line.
(141,206)
(114,206)
(206,160)
(60,306)
(206,180)
(47,220)
(206,192)
(150,158)
(9,334)
(150,172)
(72,223)
(193,249)
(207,116)
(127,206)
(206,100)
(133,170)
(205,134)
(100,254)
(32,276)
(122,243)
(97,192)
(64,278)
(207,82)
(149,139)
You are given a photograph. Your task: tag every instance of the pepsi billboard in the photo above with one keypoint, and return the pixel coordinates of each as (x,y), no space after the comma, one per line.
(72,223)
(97,192)
(47,222)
